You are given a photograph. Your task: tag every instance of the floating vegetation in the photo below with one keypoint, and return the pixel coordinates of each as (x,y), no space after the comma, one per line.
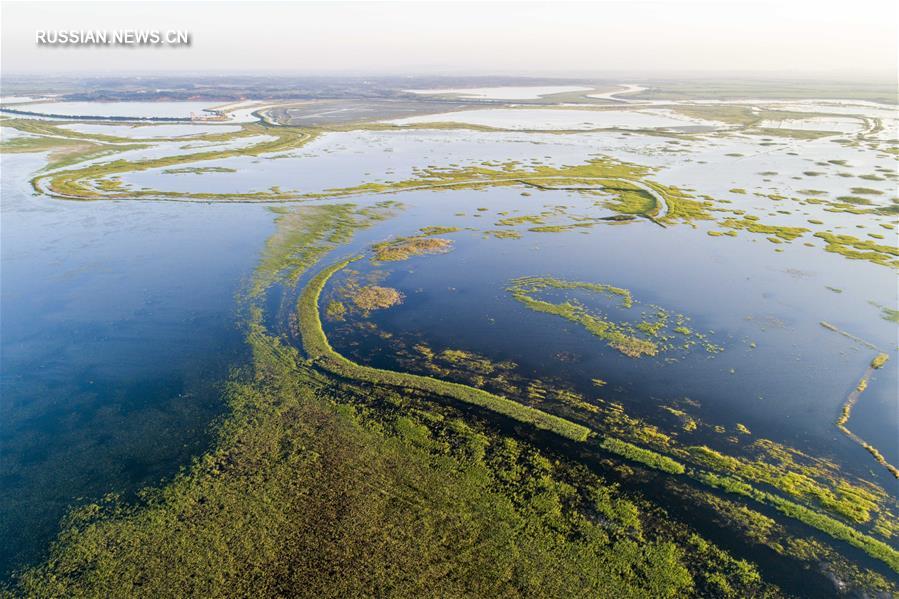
(858,201)
(502,234)
(433,230)
(336,310)
(374,297)
(860,249)
(776,466)
(404,248)
(778,233)
(645,338)
(866,191)
(618,336)
(879,360)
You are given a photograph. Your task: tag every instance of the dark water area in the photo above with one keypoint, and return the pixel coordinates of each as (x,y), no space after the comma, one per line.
(781,374)
(118,330)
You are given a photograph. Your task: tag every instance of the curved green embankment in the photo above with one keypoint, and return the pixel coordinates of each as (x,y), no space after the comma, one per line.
(316,345)
(78,183)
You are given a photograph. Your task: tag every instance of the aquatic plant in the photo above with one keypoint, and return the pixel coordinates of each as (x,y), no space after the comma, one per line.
(502,234)
(404,248)
(622,336)
(336,310)
(198,170)
(374,297)
(750,224)
(316,345)
(860,249)
(644,456)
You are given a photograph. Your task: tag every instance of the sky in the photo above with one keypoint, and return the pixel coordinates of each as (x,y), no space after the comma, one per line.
(816,37)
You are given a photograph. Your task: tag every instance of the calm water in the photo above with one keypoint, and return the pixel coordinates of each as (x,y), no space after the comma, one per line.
(789,387)
(181,110)
(118,318)
(118,326)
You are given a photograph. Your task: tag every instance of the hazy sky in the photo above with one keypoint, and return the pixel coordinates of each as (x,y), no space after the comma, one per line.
(824,37)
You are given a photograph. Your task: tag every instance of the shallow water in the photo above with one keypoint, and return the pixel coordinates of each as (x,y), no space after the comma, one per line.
(789,387)
(549,118)
(121,109)
(150,131)
(118,328)
(119,317)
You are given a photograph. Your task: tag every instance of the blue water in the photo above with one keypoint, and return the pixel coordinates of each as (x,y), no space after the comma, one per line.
(118,328)
(781,373)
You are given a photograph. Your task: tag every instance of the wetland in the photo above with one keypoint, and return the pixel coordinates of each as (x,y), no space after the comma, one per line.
(535,339)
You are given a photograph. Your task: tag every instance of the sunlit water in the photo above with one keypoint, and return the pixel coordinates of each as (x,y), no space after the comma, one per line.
(119,317)
(118,324)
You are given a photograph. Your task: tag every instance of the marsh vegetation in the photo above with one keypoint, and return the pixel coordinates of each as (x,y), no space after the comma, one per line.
(658,412)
